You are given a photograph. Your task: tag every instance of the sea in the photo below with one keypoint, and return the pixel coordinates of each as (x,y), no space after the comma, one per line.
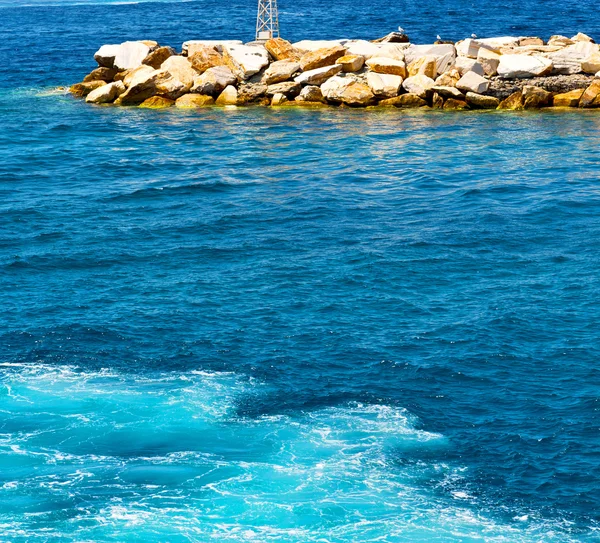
(293,326)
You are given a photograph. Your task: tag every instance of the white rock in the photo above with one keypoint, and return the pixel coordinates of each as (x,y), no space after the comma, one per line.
(313,45)
(467,64)
(448,92)
(105,56)
(384,65)
(384,85)
(468,48)
(213,81)
(473,82)
(413,52)
(188,46)
(245,60)
(369,49)
(318,75)
(130,55)
(568,60)
(418,84)
(523,66)
(444,63)
(137,73)
(502,41)
(106,94)
(489,61)
(333,88)
(180,68)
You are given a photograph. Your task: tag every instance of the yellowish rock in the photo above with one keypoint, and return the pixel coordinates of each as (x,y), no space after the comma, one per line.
(535,97)
(205,57)
(591,65)
(489,61)
(383,65)
(568,99)
(228,97)
(190,101)
(278,99)
(591,97)
(351,63)
(157,102)
(454,104)
(480,101)
(424,66)
(281,49)
(530,41)
(404,101)
(321,57)
(83,89)
(561,41)
(448,79)
(580,36)
(513,102)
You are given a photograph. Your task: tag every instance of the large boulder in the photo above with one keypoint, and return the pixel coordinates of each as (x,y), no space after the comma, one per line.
(321,57)
(448,92)
(530,40)
(228,97)
(384,85)
(130,75)
(290,89)
(131,54)
(466,64)
(191,101)
(191,47)
(568,99)
(205,57)
(426,65)
(245,60)
(590,65)
(489,61)
(83,89)
(404,101)
(101,74)
(448,79)
(310,93)
(369,49)
(455,105)
(281,49)
(158,56)
(472,82)
(523,66)
(513,102)
(351,63)
(147,84)
(282,70)
(535,97)
(560,41)
(180,68)
(318,75)
(213,81)
(106,94)
(418,84)
(157,102)
(278,99)
(251,92)
(347,91)
(383,65)
(414,52)
(479,101)
(105,56)
(312,45)
(580,36)
(591,97)
(569,59)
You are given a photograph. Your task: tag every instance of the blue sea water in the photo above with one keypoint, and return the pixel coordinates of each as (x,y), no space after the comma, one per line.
(293,326)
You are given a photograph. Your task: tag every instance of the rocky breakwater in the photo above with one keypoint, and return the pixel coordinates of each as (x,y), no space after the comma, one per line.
(490,73)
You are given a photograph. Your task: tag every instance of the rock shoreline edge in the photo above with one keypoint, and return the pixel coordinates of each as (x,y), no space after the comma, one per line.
(509,73)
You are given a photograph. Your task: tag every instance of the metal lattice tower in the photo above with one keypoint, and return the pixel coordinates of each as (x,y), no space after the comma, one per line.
(267,21)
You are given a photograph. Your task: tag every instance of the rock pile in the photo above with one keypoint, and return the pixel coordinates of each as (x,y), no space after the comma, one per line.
(491,73)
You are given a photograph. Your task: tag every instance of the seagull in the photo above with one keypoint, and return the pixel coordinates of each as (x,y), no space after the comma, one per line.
(473,35)
(438,37)
(400,29)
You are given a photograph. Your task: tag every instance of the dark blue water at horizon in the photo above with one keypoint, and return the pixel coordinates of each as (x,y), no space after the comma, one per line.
(292,326)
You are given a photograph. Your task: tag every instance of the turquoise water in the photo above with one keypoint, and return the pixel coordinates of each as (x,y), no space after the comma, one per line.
(290,326)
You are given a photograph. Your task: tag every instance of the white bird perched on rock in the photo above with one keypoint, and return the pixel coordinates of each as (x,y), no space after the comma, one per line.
(400,29)
(473,35)
(438,37)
